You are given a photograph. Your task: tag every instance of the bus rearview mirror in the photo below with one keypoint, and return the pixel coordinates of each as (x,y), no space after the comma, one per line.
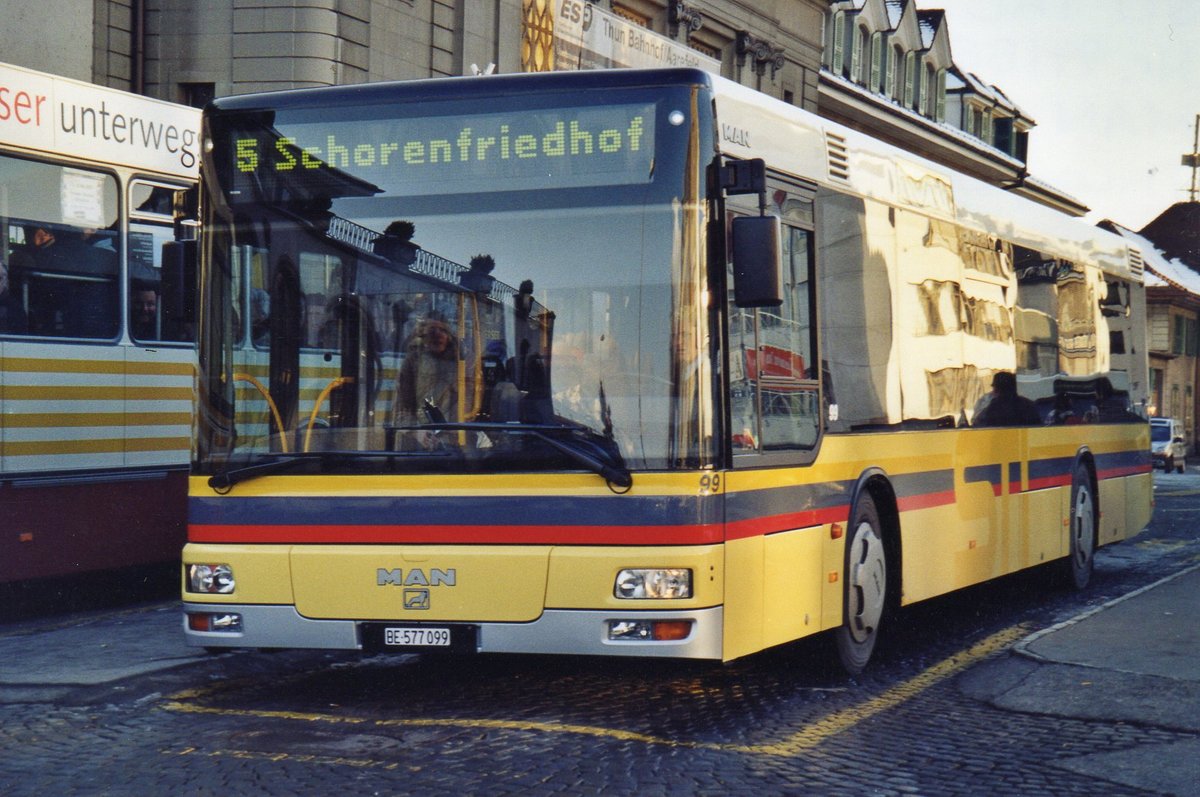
(757,257)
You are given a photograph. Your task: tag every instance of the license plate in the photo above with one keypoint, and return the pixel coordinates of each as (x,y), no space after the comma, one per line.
(449,638)
(416,637)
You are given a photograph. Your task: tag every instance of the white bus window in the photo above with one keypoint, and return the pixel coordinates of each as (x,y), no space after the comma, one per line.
(60,251)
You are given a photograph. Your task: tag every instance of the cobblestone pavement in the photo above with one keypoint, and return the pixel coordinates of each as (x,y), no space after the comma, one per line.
(781,722)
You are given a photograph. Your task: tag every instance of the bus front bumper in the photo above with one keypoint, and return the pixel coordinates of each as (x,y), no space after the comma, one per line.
(556,631)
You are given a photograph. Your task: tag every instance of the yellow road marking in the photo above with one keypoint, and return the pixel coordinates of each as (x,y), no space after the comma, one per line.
(810,737)
(258,755)
(822,730)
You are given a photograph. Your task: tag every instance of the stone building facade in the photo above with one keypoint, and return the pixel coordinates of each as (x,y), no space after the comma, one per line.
(888,69)
(882,66)
(191,50)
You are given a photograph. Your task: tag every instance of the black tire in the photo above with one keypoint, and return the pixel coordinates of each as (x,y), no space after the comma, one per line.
(1168,464)
(1081,559)
(866,579)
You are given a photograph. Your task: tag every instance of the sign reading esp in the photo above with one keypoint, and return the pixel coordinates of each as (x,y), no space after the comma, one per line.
(523,150)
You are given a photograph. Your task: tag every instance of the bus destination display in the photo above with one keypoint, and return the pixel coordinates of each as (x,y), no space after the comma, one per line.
(521,150)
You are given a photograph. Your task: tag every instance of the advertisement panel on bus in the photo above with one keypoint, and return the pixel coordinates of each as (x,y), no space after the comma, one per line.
(79,119)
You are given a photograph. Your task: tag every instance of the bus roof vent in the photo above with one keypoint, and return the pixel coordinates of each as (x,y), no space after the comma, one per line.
(1136,265)
(839,157)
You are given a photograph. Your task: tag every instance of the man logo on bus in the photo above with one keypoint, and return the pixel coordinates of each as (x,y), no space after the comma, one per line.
(396,577)
(417,599)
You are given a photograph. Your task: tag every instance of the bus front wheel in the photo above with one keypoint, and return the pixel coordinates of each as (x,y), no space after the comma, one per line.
(866,577)
(1077,570)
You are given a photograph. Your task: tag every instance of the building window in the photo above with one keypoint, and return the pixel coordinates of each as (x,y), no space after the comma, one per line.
(838,43)
(923,94)
(857,45)
(985,131)
(939,103)
(891,59)
(632,16)
(706,49)
(197,95)
(1188,413)
(975,122)
(910,78)
(1002,137)
(876,69)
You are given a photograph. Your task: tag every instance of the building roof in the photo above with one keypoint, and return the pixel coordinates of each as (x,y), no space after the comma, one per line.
(895,10)
(1177,233)
(1161,270)
(972,83)
(928,22)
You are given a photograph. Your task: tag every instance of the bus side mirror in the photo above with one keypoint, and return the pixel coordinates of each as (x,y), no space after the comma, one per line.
(757,261)
(179,259)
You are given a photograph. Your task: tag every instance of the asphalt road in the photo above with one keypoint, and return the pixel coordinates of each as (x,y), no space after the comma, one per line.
(113,703)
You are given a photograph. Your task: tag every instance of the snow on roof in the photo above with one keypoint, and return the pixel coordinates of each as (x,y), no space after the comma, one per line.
(928,22)
(1171,273)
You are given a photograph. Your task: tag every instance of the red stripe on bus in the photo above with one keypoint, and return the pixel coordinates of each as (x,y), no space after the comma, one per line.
(1131,470)
(1048,482)
(924,501)
(762,526)
(424,535)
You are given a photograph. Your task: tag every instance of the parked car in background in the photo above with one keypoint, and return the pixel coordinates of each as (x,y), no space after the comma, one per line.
(1167,444)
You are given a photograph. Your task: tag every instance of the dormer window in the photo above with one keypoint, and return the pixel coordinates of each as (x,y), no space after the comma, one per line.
(922,105)
(857,48)
(910,78)
(939,97)
(837,36)
(889,71)
(875,70)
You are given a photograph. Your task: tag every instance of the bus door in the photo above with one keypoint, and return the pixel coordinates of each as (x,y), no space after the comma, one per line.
(773,547)
(158,364)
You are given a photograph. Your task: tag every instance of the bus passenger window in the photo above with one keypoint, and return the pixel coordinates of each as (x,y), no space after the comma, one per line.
(774,396)
(158,297)
(68,277)
(60,251)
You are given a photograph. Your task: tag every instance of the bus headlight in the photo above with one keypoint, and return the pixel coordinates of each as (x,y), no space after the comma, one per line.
(210,579)
(668,583)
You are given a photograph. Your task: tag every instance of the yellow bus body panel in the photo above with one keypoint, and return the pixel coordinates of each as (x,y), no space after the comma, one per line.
(262,573)
(420,583)
(583,577)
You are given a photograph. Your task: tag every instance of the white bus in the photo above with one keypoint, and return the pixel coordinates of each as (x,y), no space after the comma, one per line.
(96,359)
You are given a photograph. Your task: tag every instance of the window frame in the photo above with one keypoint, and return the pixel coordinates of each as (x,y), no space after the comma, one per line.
(759,457)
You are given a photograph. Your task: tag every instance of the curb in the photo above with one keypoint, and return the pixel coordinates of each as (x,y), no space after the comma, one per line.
(1022,647)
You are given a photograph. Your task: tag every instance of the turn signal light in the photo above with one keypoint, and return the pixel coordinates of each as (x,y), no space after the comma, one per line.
(219,623)
(649,630)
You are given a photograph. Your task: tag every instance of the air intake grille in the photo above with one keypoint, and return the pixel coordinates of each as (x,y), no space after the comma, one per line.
(839,157)
(1136,264)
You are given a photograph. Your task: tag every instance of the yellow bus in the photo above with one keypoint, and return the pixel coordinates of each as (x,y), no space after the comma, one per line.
(96,354)
(635,363)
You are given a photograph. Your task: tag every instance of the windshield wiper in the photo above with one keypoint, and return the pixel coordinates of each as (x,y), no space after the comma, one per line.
(223,482)
(558,437)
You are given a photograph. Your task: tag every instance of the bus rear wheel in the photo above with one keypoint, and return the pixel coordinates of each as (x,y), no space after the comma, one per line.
(1077,570)
(866,575)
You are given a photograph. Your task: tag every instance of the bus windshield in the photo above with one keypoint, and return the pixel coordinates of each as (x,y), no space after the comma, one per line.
(453,286)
